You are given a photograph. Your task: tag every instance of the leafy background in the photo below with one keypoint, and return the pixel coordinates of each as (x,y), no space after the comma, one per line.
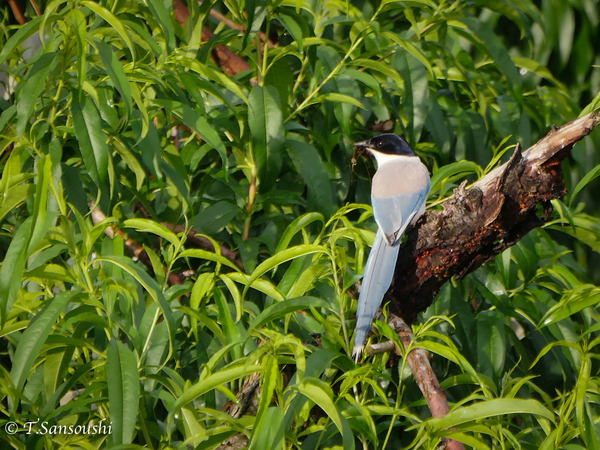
(123,111)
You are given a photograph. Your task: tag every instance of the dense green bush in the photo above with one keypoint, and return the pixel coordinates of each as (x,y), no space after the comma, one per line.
(123,112)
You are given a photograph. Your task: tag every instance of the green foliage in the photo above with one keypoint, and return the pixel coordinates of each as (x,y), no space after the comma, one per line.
(124,111)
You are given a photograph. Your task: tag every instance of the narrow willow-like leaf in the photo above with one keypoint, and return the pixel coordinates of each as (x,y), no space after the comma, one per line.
(584,296)
(265,120)
(591,175)
(17,39)
(321,394)
(298,224)
(30,91)
(491,345)
(14,197)
(123,383)
(199,125)
(223,376)
(281,257)
(114,22)
(490,408)
(150,285)
(150,226)
(91,137)
(293,28)
(452,171)
(78,23)
(13,267)
(381,67)
(44,211)
(270,432)
(309,164)
(336,97)
(163,17)
(280,309)
(35,336)
(131,161)
(497,50)
(117,75)
(264,427)
(209,256)
(264,286)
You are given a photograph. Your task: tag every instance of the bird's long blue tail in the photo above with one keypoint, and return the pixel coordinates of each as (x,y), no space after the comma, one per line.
(379,272)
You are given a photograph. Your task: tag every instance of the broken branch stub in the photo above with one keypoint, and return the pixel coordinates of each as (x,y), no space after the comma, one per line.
(478,223)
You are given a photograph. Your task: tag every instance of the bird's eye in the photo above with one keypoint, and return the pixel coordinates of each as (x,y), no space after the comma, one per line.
(379,144)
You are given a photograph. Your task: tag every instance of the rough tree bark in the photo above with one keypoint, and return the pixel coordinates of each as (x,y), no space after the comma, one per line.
(479,222)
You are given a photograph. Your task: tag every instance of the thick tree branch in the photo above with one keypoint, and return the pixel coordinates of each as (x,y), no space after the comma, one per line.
(478,223)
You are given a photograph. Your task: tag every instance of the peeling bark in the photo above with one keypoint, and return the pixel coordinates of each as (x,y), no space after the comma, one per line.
(479,222)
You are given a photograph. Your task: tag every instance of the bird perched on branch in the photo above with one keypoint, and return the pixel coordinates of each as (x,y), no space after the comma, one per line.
(398,194)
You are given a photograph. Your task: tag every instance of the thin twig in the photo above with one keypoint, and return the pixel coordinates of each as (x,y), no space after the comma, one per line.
(17,12)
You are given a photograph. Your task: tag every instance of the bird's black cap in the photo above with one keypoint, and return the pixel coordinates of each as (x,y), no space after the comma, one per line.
(390,144)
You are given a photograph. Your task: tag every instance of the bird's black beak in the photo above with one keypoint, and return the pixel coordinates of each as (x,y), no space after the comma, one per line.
(364,147)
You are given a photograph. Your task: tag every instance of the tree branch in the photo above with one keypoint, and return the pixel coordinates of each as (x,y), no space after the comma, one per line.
(418,362)
(478,223)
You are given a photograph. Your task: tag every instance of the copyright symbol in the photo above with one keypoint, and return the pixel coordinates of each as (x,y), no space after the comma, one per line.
(11,427)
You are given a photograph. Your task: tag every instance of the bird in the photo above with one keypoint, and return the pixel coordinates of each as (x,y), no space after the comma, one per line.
(398,195)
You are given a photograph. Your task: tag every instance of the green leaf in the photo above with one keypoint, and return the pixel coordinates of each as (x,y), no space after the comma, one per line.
(212,219)
(297,225)
(584,227)
(209,256)
(591,175)
(280,258)
(123,391)
(116,73)
(92,140)
(572,302)
(13,267)
(150,285)
(198,124)
(265,120)
(269,432)
(31,89)
(493,45)
(416,93)
(264,286)
(164,19)
(14,197)
(336,97)
(293,28)
(223,376)
(490,408)
(538,69)
(35,337)
(44,211)
(491,345)
(309,164)
(150,226)
(285,307)
(321,394)
(113,21)
(453,171)
(17,39)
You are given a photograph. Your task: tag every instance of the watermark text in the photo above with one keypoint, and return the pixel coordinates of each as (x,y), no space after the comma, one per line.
(44,427)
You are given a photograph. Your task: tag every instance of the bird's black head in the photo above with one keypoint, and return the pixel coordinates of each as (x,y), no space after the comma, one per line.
(389,144)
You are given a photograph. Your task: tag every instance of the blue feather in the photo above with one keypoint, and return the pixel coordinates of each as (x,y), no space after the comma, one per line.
(379,272)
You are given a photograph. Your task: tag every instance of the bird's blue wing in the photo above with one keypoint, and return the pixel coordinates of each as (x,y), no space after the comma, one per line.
(394,214)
